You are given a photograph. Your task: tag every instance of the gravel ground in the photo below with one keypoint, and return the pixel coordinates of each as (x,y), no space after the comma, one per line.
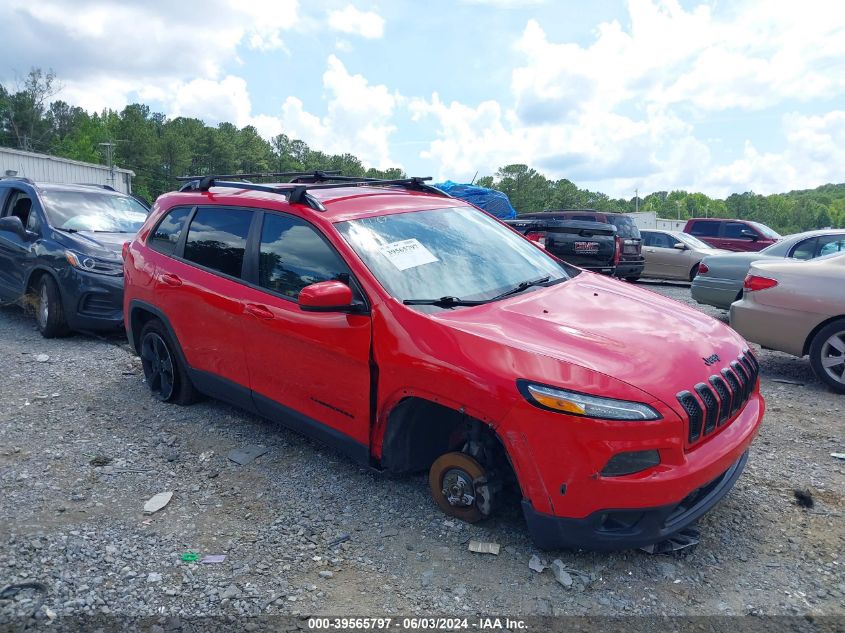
(304,531)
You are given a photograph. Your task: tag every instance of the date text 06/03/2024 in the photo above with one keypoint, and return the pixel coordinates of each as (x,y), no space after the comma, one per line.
(416,624)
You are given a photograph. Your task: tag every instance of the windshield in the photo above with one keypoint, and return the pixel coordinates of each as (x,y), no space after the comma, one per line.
(765,230)
(457,252)
(625,226)
(93,211)
(694,241)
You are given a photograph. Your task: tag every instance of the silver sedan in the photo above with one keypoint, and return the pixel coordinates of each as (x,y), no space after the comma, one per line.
(798,308)
(719,279)
(673,254)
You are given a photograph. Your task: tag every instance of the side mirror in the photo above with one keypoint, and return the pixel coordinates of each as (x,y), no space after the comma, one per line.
(680,246)
(751,235)
(13,224)
(327,296)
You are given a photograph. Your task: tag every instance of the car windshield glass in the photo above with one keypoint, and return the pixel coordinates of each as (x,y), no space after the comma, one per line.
(693,241)
(625,226)
(765,230)
(459,253)
(93,211)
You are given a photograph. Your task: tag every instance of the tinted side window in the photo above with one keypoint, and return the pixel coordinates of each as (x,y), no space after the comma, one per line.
(661,240)
(217,239)
(830,244)
(805,249)
(294,255)
(705,228)
(625,226)
(735,230)
(587,218)
(166,235)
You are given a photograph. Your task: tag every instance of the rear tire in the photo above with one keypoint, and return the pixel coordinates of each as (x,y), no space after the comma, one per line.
(693,273)
(451,477)
(633,279)
(49,311)
(166,376)
(827,355)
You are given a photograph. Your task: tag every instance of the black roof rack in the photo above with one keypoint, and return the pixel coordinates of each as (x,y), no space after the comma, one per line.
(296,191)
(94,184)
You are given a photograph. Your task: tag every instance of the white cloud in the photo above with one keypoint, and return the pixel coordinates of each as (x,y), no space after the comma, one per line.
(621,112)
(366,24)
(357,121)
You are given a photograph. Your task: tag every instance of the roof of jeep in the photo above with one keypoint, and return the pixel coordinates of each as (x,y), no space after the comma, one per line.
(341,204)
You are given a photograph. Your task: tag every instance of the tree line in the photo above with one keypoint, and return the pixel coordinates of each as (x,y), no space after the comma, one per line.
(158,149)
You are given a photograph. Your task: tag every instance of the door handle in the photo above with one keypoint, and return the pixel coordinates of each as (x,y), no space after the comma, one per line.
(649,250)
(170,280)
(258,311)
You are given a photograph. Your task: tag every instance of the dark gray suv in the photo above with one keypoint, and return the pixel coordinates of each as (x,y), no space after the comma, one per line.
(60,252)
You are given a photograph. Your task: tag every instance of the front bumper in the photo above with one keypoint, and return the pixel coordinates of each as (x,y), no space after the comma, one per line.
(628,528)
(92,301)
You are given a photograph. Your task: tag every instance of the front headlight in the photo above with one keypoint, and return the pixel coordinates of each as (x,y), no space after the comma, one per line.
(581,404)
(94,264)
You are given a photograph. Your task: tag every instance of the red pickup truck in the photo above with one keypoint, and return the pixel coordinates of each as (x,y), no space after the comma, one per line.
(414,332)
(732,235)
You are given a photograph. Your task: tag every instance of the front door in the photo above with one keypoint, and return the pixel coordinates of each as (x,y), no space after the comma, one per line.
(313,369)
(16,253)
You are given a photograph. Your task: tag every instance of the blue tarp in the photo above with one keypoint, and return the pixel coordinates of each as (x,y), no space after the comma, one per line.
(492,201)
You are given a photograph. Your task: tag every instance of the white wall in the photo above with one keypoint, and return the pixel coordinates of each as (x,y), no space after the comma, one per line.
(44,168)
(649,220)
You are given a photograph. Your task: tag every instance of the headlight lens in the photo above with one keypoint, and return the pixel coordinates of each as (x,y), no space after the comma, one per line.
(584,405)
(94,264)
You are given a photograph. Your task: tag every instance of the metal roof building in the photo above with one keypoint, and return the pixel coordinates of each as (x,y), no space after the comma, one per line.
(46,168)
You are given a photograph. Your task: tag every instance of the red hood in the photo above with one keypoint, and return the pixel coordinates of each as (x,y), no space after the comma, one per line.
(608,326)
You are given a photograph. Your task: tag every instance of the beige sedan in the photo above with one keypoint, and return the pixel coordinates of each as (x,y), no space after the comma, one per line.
(798,307)
(673,254)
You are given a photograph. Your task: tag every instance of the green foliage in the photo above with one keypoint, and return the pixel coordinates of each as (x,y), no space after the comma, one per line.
(158,149)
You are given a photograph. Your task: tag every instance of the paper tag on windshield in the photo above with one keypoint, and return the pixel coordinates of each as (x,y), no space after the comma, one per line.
(407,254)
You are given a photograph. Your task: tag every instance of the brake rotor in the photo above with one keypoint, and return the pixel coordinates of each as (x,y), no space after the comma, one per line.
(453,480)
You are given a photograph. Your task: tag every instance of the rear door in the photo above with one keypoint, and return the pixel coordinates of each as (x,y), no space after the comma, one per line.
(199,291)
(707,231)
(311,368)
(660,255)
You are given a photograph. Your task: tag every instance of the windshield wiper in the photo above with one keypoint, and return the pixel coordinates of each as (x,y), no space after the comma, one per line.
(58,228)
(523,285)
(448,302)
(444,302)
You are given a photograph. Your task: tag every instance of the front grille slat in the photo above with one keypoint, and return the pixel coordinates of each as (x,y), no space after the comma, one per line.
(725,396)
(733,383)
(711,407)
(695,414)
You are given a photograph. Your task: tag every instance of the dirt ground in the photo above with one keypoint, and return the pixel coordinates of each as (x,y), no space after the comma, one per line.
(305,531)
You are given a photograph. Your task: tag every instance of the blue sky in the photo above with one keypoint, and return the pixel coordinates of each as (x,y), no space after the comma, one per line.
(616,95)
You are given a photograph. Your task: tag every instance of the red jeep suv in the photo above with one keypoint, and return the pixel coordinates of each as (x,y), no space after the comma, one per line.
(414,332)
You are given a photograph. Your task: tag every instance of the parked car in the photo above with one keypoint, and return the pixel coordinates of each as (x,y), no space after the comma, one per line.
(719,279)
(732,235)
(798,308)
(60,252)
(588,245)
(673,254)
(631,259)
(414,332)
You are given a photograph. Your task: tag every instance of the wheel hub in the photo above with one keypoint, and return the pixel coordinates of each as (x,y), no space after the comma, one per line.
(833,356)
(458,488)
(43,307)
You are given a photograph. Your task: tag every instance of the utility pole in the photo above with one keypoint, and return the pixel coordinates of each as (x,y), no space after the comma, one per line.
(637,200)
(109,155)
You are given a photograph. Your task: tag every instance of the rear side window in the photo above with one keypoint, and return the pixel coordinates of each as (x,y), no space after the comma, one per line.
(659,240)
(586,218)
(217,239)
(805,249)
(625,226)
(166,235)
(705,228)
(294,255)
